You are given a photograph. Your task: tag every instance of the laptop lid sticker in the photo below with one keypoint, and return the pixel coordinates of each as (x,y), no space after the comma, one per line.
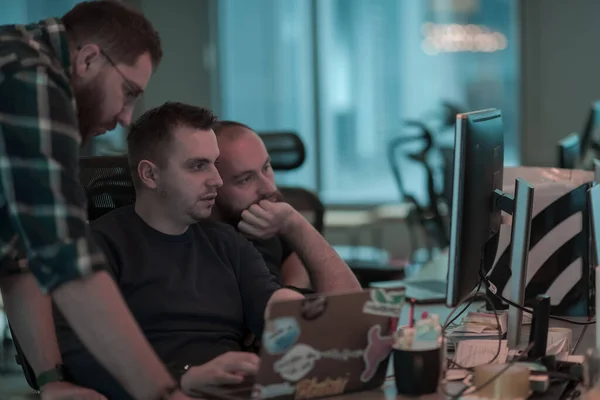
(312,388)
(274,390)
(302,359)
(313,307)
(378,350)
(387,303)
(280,334)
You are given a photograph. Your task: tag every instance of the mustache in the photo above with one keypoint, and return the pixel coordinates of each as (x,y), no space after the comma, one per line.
(275,197)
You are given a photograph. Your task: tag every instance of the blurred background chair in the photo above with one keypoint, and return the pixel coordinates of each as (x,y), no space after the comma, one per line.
(107,183)
(569,151)
(288,153)
(286,150)
(307,203)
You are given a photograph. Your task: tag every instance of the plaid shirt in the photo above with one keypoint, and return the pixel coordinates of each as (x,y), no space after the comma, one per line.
(42,206)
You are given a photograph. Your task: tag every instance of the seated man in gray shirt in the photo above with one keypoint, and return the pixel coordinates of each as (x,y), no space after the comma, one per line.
(194,285)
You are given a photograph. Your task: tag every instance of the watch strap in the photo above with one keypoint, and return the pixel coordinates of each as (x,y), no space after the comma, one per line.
(55,374)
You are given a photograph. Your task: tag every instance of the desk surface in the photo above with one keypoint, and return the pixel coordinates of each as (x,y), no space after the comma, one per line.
(388,390)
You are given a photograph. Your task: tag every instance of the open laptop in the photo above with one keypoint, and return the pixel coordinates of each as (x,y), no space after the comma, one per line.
(426,285)
(422,291)
(322,346)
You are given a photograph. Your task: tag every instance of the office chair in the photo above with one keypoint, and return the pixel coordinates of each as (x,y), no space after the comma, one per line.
(107,182)
(590,137)
(569,151)
(428,215)
(286,150)
(288,153)
(306,202)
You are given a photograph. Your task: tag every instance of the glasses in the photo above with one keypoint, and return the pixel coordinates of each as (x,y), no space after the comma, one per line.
(131,91)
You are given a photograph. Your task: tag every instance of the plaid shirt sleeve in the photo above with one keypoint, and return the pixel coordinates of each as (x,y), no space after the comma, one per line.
(39,148)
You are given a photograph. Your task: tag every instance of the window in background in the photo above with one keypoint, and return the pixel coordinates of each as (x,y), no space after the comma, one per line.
(266,59)
(382,62)
(28,11)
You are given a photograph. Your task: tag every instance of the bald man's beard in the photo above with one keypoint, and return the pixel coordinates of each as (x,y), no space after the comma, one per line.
(233,216)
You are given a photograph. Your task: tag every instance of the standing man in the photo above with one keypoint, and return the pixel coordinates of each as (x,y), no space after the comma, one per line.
(63,81)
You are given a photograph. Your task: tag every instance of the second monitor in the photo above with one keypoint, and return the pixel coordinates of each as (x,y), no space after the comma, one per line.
(475,219)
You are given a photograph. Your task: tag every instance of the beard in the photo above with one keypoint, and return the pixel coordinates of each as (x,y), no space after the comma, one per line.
(90,99)
(232,216)
(190,213)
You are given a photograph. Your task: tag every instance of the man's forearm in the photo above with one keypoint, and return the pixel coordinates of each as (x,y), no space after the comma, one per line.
(95,309)
(29,312)
(328,272)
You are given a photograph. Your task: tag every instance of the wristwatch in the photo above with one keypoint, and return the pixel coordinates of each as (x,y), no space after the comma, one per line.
(56,374)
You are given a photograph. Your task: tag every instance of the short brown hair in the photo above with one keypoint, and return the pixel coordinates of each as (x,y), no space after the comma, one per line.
(122,32)
(150,134)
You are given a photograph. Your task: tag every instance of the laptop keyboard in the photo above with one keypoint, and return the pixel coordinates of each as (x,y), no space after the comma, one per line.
(432,286)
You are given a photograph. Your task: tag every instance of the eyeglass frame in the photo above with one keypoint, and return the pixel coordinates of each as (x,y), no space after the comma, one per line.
(131,90)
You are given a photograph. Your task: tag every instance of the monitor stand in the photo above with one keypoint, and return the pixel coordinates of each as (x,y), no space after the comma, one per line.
(520,206)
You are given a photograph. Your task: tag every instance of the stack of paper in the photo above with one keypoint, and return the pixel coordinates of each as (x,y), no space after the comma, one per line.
(471,353)
(480,325)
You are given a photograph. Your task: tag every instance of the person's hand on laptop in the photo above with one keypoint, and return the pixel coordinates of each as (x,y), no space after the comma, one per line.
(267,219)
(226,369)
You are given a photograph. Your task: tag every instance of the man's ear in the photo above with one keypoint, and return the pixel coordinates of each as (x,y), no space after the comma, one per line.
(88,60)
(148,173)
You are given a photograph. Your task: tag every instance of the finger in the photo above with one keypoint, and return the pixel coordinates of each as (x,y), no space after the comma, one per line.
(246,357)
(233,357)
(225,378)
(243,367)
(254,220)
(267,204)
(260,211)
(249,230)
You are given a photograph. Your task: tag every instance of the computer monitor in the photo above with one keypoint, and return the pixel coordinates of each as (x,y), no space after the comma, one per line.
(569,151)
(477,204)
(475,219)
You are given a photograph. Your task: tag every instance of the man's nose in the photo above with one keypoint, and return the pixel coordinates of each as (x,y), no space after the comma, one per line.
(267,186)
(124,117)
(216,180)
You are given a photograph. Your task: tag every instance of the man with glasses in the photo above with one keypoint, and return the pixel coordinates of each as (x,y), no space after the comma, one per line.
(63,81)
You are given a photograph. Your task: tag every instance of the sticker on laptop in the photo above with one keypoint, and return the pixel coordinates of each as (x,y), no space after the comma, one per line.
(302,358)
(280,334)
(387,303)
(274,390)
(378,349)
(311,388)
(313,307)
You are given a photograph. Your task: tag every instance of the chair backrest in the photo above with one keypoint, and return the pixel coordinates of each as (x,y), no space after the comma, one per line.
(307,203)
(286,150)
(107,182)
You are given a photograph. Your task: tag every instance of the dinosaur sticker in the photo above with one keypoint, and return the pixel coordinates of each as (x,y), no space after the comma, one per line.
(378,349)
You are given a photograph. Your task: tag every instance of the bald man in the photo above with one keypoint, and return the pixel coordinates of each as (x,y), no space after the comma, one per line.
(249,200)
